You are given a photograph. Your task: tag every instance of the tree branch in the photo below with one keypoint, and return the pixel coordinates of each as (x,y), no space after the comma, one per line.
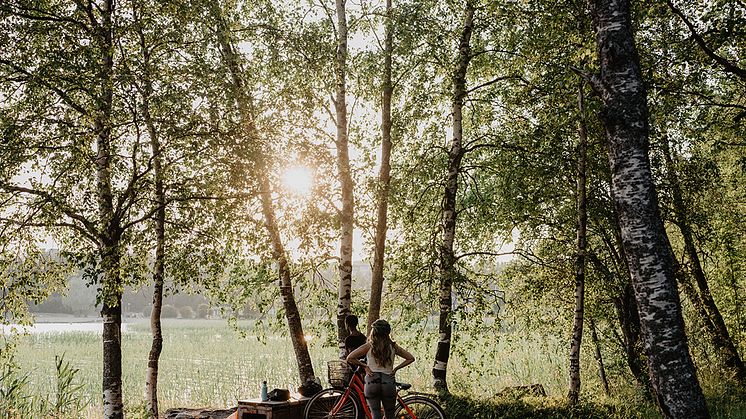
(27,223)
(61,93)
(90,227)
(498,79)
(727,65)
(28,13)
(592,79)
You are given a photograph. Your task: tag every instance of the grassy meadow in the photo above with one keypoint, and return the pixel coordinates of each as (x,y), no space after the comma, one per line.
(208,363)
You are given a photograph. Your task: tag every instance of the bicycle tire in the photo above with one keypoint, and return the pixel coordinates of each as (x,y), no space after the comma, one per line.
(421,406)
(322,403)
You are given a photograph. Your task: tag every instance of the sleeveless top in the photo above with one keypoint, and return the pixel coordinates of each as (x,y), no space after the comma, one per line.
(376,367)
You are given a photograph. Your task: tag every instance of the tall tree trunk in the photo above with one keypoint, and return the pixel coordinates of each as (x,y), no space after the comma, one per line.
(719,335)
(629,316)
(599,358)
(109,228)
(651,264)
(151,382)
(345,179)
(733,277)
(629,319)
(447,255)
(302,357)
(384,176)
(577,326)
(151,378)
(244,102)
(111,314)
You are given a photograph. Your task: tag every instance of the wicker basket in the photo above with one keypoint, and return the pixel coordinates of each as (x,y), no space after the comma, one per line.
(339,373)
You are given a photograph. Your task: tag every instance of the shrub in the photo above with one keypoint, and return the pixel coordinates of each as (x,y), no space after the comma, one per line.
(186,312)
(169,312)
(203,311)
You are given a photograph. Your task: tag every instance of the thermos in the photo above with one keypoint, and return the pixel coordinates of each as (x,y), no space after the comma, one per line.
(264,392)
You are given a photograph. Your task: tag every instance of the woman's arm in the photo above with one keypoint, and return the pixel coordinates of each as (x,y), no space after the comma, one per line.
(354,357)
(408,358)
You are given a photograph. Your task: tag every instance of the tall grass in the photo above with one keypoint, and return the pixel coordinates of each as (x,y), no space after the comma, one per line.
(203,363)
(20,399)
(208,363)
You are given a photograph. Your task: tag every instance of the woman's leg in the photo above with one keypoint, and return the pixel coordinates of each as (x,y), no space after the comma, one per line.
(388,395)
(373,394)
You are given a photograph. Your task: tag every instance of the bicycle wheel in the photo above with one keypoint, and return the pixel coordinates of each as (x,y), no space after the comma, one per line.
(320,406)
(421,407)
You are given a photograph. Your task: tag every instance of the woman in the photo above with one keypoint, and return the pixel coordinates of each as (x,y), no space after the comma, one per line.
(381,351)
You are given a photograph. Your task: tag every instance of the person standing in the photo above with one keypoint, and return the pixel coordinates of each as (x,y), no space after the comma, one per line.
(381,351)
(355,339)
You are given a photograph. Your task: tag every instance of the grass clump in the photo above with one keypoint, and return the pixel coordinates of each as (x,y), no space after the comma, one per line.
(730,403)
(460,407)
(20,398)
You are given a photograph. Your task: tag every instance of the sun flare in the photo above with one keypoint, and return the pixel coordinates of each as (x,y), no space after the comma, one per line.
(298,180)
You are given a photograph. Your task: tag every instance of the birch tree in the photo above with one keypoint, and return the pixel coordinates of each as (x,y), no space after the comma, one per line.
(254,140)
(456,153)
(625,119)
(347,212)
(577,326)
(384,174)
(104,226)
(146,93)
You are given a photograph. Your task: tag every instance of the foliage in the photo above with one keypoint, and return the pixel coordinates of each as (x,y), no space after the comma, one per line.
(516,203)
(186,312)
(463,407)
(169,312)
(203,311)
(20,399)
(68,398)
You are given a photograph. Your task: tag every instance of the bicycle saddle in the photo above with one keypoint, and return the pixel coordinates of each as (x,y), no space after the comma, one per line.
(404,386)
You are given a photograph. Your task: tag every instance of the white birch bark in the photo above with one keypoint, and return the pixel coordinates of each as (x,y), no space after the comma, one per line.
(577,326)
(651,264)
(109,229)
(447,256)
(345,179)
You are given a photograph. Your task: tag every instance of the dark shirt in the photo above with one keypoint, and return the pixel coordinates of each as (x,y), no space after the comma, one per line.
(352,342)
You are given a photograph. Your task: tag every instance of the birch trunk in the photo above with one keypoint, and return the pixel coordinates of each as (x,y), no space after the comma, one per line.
(447,256)
(599,358)
(651,263)
(629,322)
(251,134)
(345,179)
(629,316)
(292,315)
(109,228)
(629,319)
(715,325)
(577,327)
(384,177)
(111,314)
(151,377)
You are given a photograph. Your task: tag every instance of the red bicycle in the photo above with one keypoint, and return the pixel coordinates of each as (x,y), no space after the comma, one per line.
(346,399)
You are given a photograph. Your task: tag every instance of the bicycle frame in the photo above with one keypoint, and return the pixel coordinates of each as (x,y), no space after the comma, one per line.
(356,384)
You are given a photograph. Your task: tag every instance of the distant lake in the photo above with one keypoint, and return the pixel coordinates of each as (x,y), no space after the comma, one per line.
(62,327)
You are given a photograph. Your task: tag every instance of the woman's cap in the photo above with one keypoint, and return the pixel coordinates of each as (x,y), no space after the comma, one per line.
(381,326)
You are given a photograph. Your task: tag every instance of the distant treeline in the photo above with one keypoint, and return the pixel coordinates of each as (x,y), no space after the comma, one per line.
(79,300)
